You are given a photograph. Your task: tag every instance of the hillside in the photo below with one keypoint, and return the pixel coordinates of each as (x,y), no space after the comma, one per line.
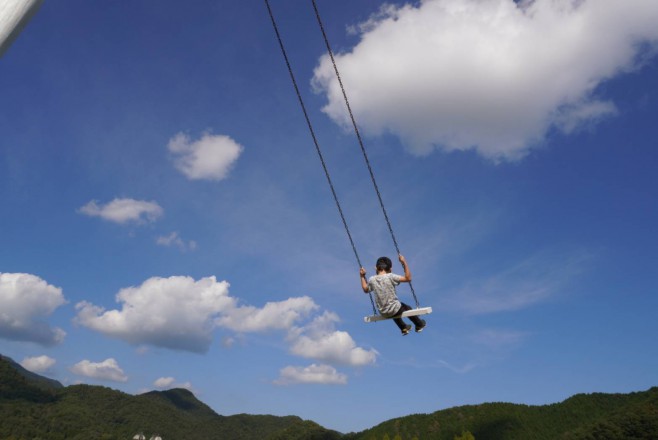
(582,417)
(33,408)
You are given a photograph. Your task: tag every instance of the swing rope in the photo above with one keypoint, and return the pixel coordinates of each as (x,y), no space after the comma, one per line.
(315,142)
(358,136)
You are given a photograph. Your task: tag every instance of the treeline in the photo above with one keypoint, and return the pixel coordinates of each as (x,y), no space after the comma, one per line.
(582,417)
(35,408)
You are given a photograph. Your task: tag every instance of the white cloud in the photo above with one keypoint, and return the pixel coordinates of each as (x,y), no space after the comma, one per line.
(313,374)
(174,239)
(175,312)
(124,210)
(319,340)
(107,370)
(494,75)
(169,382)
(274,315)
(164,382)
(181,313)
(209,158)
(38,364)
(25,300)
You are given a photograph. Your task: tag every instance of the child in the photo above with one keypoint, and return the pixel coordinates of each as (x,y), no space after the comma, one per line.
(383,285)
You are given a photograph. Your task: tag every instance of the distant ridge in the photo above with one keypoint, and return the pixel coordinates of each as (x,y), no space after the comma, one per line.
(31,377)
(35,407)
(596,416)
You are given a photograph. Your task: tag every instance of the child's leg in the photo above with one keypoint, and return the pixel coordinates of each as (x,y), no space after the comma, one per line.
(419,323)
(400,323)
(404,328)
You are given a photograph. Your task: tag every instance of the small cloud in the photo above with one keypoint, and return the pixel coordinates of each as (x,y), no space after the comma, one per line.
(209,158)
(38,364)
(25,300)
(107,370)
(169,382)
(174,239)
(279,315)
(313,374)
(319,340)
(124,211)
(164,382)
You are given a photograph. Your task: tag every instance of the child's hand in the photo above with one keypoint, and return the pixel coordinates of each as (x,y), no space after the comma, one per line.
(403,261)
(362,272)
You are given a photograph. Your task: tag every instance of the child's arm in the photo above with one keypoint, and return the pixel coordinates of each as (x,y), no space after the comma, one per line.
(364,282)
(407,273)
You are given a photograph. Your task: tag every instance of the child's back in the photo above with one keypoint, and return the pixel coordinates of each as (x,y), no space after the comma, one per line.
(383,286)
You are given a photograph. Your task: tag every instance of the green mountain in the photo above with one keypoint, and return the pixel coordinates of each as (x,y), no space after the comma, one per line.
(596,416)
(33,407)
(34,379)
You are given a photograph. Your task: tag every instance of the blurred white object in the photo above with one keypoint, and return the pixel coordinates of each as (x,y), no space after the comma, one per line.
(14,15)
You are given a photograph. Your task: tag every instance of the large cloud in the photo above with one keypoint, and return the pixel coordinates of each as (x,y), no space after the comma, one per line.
(494,75)
(25,300)
(175,312)
(124,211)
(14,17)
(181,313)
(209,158)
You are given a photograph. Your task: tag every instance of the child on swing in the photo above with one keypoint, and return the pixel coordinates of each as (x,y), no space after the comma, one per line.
(383,285)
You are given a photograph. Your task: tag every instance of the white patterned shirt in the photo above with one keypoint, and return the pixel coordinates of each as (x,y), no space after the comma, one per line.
(383,287)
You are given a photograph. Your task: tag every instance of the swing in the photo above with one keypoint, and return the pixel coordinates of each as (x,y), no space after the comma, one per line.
(413,312)
(376,316)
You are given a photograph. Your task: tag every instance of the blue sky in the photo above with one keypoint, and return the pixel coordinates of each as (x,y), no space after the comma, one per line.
(165,220)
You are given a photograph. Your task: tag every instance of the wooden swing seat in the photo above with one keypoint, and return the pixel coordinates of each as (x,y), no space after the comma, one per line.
(412,312)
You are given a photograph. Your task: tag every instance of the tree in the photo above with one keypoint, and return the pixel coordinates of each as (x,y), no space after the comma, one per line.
(466,435)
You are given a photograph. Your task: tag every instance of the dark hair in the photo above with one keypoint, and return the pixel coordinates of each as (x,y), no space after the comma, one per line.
(384,263)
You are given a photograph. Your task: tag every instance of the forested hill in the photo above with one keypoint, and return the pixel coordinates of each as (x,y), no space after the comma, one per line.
(17,372)
(595,416)
(33,407)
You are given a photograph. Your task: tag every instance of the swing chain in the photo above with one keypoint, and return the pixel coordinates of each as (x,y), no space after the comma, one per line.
(315,142)
(358,136)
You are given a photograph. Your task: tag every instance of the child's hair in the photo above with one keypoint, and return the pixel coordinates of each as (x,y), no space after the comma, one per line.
(384,263)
